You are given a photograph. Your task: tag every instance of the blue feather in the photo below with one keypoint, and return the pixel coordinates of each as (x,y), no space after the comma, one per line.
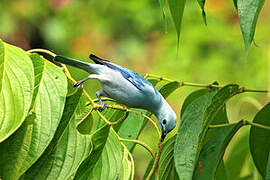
(137,80)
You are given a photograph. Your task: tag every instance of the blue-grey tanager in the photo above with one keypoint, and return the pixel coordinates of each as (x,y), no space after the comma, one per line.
(126,87)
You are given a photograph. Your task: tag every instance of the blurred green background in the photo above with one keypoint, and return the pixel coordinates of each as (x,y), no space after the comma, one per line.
(132,34)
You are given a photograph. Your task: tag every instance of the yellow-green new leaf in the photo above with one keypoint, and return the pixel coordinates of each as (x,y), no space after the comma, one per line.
(16,88)
(125,172)
(27,144)
(67,149)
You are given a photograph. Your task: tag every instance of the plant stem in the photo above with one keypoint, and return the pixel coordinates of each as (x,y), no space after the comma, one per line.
(220,125)
(155,165)
(42,51)
(181,83)
(257,125)
(140,143)
(245,123)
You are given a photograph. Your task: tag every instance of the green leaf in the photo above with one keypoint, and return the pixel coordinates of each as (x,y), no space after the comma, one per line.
(67,149)
(221,173)
(213,150)
(248,12)
(104,162)
(191,97)
(31,139)
(259,140)
(162,4)
(148,169)
(168,88)
(177,10)
(126,169)
(132,127)
(195,121)
(86,126)
(237,155)
(16,88)
(109,165)
(267,174)
(202,3)
(166,162)
(153,81)
(98,140)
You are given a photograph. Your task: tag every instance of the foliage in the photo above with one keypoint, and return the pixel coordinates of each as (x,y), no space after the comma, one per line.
(48,132)
(248,12)
(48,142)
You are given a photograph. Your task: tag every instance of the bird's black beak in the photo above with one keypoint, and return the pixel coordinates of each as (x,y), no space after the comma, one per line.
(163,135)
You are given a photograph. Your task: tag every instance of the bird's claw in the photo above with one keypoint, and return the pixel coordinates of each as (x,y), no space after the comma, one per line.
(100,109)
(78,84)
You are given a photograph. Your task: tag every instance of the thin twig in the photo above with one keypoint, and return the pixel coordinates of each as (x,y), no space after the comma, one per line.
(182,83)
(257,125)
(140,143)
(245,123)
(155,165)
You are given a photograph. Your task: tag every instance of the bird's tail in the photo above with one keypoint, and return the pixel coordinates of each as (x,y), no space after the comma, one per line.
(75,63)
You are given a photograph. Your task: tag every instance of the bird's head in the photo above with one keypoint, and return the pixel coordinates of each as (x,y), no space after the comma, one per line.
(167,119)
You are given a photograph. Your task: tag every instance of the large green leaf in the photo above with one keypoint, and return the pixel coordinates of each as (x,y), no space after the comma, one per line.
(166,162)
(191,97)
(126,169)
(168,88)
(177,10)
(221,173)
(237,156)
(267,173)
(98,140)
(131,128)
(221,118)
(148,169)
(248,12)
(67,149)
(259,140)
(27,144)
(109,164)
(212,152)
(16,88)
(195,121)
(105,160)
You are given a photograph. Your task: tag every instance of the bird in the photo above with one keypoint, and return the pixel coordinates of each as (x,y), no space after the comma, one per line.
(125,87)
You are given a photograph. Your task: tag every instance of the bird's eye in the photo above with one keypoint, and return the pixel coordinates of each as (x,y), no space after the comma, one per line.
(164,121)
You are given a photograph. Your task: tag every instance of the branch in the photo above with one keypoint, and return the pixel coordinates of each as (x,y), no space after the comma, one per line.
(245,123)
(182,83)
(140,143)
(155,165)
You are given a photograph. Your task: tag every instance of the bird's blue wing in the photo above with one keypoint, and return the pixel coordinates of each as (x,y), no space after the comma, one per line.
(137,80)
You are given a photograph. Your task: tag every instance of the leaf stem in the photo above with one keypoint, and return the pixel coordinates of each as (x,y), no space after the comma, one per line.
(121,119)
(182,83)
(220,125)
(140,143)
(245,123)
(42,51)
(155,165)
(257,125)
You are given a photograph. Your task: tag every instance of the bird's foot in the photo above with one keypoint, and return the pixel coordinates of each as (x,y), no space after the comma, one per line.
(100,109)
(78,84)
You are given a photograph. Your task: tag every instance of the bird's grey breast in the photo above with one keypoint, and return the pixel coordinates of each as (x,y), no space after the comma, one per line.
(123,91)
